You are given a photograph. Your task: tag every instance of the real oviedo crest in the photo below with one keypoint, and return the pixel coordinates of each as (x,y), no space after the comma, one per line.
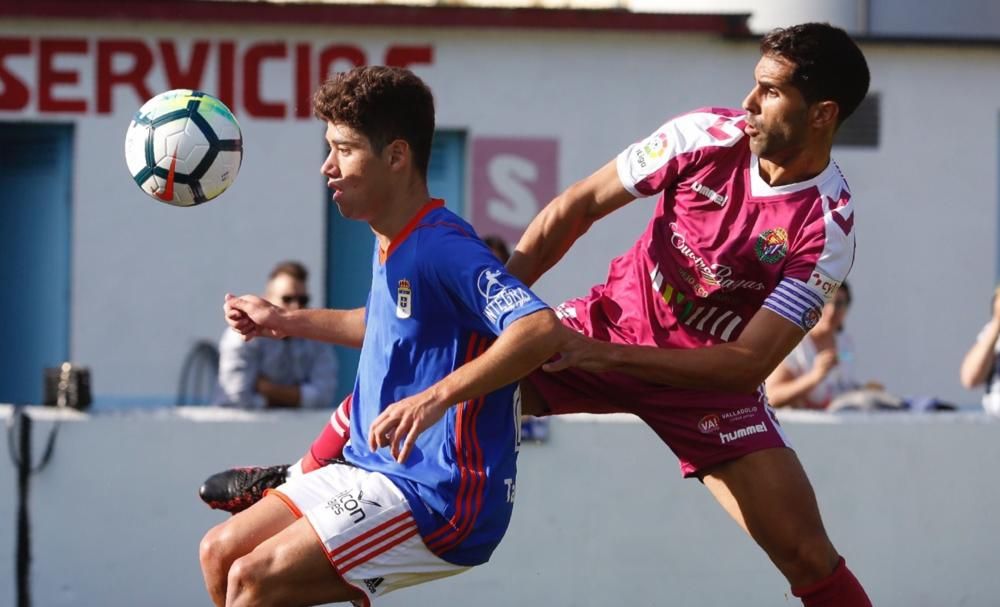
(404,299)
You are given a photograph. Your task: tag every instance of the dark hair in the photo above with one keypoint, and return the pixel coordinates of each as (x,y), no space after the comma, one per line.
(828,64)
(846,288)
(292,268)
(383,104)
(498,246)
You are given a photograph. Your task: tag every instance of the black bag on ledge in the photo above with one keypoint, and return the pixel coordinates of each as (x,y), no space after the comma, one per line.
(67,386)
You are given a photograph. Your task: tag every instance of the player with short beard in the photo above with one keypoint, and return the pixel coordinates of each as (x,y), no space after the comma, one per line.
(671,340)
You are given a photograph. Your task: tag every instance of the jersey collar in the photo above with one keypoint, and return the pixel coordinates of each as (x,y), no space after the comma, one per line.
(432,204)
(760,188)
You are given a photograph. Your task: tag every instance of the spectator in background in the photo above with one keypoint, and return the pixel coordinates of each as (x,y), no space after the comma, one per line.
(980,364)
(278,373)
(819,372)
(498,246)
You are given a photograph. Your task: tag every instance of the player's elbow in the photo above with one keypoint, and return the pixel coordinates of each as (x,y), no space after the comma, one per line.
(543,333)
(551,332)
(747,376)
(578,206)
(746,385)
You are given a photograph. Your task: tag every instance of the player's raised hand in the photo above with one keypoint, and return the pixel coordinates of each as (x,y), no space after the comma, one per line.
(252,316)
(581,352)
(402,422)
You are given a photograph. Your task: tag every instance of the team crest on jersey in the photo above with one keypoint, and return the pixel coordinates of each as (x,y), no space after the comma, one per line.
(772,245)
(810,317)
(404,299)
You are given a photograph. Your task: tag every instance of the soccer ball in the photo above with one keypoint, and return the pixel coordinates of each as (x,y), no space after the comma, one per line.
(183,147)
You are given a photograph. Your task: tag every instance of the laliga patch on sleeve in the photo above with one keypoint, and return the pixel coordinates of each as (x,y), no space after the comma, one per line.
(650,152)
(825,286)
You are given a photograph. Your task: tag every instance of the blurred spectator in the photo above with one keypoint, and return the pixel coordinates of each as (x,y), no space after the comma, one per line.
(980,364)
(819,372)
(498,246)
(272,373)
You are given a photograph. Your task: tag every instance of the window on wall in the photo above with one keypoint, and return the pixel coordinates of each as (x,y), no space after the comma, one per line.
(861,130)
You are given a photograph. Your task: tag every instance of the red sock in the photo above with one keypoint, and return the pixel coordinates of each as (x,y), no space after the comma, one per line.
(840,589)
(330,443)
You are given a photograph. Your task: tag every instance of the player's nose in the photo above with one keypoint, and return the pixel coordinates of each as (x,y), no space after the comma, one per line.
(750,102)
(329,167)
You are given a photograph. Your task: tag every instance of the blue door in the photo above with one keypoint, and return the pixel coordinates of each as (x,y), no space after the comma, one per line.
(446,171)
(349,243)
(35,197)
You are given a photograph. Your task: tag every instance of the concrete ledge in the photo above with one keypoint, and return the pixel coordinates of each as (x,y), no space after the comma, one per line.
(602,516)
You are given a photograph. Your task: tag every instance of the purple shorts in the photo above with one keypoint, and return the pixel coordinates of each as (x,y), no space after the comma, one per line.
(701,428)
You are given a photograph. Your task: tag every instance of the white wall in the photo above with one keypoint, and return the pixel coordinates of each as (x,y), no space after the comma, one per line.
(602,515)
(765,16)
(148,279)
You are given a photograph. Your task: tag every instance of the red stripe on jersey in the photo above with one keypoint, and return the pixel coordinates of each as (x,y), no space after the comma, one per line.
(460,456)
(457,227)
(477,507)
(432,204)
(470,501)
(473,499)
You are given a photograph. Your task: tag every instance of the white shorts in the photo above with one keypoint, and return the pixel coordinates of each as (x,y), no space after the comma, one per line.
(364,524)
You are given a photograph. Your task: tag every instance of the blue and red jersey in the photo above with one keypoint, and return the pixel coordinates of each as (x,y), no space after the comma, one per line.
(439,297)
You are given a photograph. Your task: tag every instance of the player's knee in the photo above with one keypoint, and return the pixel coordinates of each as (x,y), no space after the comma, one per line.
(245,582)
(809,557)
(216,549)
(209,549)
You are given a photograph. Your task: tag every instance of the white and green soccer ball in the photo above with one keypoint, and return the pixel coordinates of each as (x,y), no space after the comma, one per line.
(183,147)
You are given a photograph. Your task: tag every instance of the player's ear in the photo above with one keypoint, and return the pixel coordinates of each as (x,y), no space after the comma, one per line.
(398,154)
(824,114)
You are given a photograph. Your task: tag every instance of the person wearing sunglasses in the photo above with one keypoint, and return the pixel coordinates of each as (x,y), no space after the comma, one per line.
(278,373)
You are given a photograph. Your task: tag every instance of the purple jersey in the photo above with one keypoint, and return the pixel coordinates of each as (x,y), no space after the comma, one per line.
(721,243)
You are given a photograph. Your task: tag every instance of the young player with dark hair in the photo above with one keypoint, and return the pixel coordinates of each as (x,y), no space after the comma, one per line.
(424,489)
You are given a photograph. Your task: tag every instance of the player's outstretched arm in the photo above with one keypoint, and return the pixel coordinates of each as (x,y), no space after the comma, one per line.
(520,349)
(739,366)
(564,220)
(252,316)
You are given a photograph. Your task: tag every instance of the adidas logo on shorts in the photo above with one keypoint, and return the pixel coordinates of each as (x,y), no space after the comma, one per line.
(374,583)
